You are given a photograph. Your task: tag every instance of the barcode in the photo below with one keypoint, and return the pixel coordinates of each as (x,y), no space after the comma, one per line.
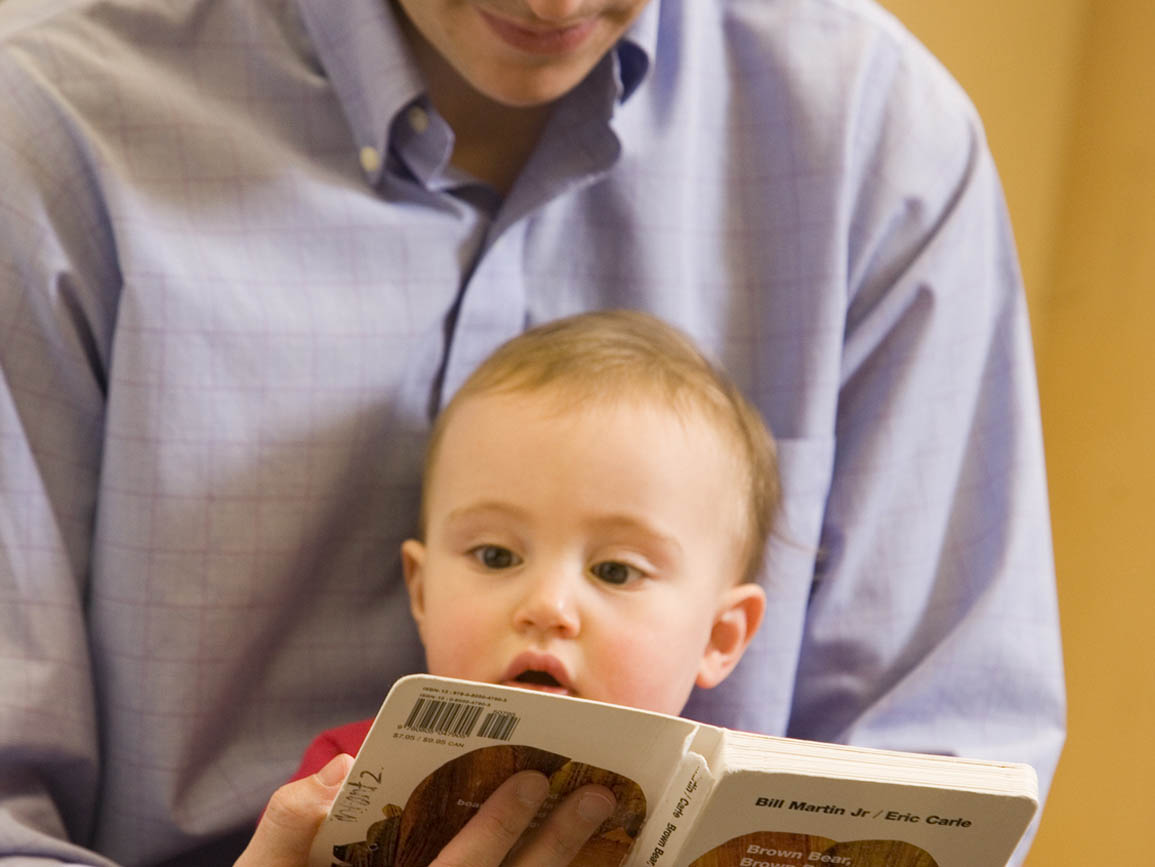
(498,725)
(433,716)
(457,718)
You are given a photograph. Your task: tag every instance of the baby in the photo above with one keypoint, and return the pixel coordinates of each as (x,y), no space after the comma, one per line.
(597,499)
(596,503)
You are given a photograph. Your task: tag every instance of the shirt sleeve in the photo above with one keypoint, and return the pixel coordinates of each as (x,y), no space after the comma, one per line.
(932,624)
(54,316)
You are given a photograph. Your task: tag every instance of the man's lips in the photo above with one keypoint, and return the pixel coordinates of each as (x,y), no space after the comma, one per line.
(539,40)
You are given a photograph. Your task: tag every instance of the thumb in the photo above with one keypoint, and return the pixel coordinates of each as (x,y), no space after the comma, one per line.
(290,821)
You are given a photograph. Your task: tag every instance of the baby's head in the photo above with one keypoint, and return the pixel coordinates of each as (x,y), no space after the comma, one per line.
(597,500)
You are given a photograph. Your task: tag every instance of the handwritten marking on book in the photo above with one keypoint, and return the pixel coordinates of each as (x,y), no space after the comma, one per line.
(356,797)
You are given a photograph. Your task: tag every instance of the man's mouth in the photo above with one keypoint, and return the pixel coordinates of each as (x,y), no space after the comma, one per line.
(544,41)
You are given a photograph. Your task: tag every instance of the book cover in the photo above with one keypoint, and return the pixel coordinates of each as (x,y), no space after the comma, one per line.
(688,794)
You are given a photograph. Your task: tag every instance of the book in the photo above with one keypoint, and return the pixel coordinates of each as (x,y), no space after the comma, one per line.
(688,794)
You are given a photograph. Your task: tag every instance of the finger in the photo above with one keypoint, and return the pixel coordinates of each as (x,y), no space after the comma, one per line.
(487,838)
(289,824)
(567,829)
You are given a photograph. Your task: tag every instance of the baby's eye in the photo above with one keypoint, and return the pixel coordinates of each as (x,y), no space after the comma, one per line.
(495,557)
(616,572)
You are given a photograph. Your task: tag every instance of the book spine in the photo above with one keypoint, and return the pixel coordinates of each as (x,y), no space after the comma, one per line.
(671,820)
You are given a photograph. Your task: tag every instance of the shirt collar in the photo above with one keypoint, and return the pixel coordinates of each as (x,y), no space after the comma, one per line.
(364,54)
(635,52)
(362,50)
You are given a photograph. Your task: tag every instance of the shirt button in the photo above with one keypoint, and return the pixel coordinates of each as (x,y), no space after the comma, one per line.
(418,119)
(370,159)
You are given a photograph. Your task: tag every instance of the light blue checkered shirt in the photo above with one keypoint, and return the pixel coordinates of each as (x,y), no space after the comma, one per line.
(237,277)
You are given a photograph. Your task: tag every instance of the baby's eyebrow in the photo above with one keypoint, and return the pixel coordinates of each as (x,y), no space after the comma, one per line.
(485,509)
(667,543)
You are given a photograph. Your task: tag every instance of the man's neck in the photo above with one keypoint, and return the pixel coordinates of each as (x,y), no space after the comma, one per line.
(492,141)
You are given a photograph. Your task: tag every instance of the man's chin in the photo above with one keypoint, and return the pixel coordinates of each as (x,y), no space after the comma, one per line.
(525,88)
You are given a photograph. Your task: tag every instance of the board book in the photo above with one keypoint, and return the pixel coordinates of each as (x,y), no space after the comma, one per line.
(688,794)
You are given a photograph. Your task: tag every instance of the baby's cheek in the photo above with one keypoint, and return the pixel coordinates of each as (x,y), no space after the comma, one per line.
(455,646)
(647,671)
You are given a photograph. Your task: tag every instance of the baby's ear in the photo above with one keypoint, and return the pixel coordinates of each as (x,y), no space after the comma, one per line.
(739,613)
(413,566)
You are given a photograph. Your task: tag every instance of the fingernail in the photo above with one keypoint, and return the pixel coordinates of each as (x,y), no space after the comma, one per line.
(595,807)
(335,771)
(532,789)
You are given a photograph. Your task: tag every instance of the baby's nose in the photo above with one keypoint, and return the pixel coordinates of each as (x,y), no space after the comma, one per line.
(549,606)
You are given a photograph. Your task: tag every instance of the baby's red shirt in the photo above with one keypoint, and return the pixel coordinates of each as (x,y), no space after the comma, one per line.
(343,739)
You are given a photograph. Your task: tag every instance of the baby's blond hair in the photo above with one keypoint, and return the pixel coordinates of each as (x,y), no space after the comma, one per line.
(627,355)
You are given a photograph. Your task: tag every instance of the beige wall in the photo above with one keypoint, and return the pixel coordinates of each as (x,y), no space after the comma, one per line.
(1018,60)
(1067,91)
(1098,386)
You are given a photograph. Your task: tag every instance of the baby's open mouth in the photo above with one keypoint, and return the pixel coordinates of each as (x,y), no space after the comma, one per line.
(537,678)
(538,671)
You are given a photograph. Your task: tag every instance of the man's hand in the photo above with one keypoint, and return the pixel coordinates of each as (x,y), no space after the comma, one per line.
(489,836)
(295,811)
(291,819)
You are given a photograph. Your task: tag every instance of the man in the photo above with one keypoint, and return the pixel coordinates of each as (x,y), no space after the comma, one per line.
(249,247)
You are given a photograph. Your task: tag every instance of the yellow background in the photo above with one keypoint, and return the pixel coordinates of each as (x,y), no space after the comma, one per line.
(1066,89)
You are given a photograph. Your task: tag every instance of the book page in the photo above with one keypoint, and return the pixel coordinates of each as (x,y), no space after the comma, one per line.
(439,747)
